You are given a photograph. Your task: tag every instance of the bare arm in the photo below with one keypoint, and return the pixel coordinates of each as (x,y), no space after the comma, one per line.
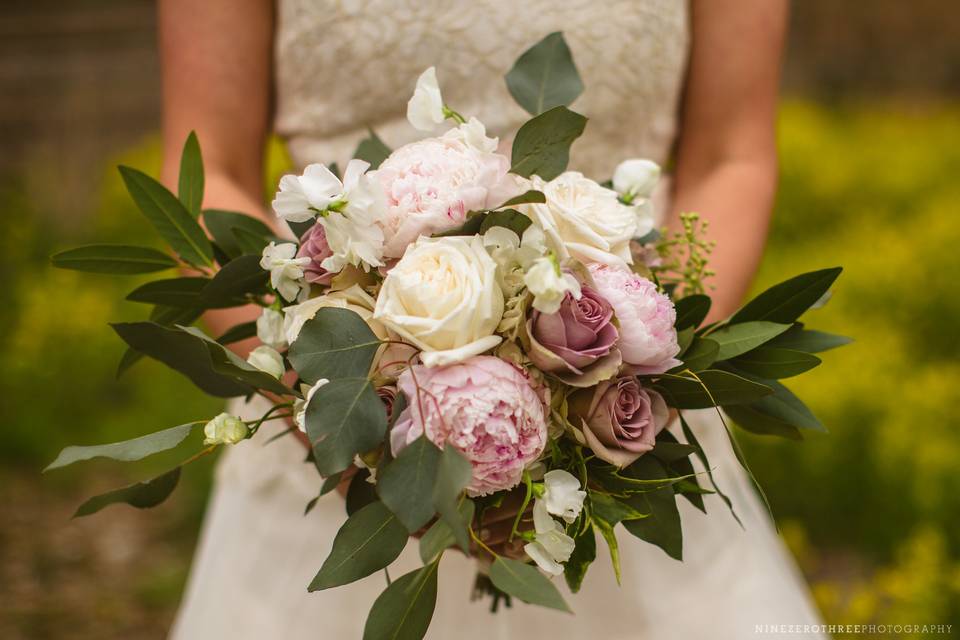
(216,70)
(727,158)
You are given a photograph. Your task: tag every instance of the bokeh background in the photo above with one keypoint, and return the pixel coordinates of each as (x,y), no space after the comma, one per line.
(870,147)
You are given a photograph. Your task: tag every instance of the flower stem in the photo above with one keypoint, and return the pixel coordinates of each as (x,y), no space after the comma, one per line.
(523,507)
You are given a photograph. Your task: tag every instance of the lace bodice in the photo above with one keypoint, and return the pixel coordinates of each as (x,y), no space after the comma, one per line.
(345,65)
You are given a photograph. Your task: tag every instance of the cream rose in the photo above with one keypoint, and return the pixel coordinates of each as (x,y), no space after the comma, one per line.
(444,298)
(584,220)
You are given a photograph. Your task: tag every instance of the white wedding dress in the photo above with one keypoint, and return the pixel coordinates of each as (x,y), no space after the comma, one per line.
(342,66)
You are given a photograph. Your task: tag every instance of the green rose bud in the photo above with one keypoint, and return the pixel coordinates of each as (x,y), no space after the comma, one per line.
(225,429)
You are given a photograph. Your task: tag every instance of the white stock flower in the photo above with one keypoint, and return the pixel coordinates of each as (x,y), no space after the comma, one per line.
(270,328)
(301,197)
(562,494)
(300,406)
(473,134)
(636,178)
(583,219)
(443,297)
(551,545)
(286,270)
(267,359)
(549,285)
(225,429)
(353,229)
(425,108)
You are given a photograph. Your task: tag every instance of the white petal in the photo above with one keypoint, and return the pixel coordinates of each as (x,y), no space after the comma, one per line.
(540,555)
(320,185)
(449,356)
(425,108)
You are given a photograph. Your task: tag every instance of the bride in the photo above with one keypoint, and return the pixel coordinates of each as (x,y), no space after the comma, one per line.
(692,86)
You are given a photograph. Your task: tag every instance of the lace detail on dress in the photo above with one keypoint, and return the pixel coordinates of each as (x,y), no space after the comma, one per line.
(342,66)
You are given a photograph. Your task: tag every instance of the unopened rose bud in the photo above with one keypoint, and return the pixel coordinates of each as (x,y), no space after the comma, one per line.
(225,429)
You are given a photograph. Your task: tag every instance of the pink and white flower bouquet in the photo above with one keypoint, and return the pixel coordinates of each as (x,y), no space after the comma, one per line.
(461,326)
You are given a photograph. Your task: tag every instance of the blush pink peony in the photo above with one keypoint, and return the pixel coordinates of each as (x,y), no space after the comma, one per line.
(485,408)
(432,184)
(648,339)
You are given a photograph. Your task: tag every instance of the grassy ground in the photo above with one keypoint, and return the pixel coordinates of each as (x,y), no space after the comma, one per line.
(870,510)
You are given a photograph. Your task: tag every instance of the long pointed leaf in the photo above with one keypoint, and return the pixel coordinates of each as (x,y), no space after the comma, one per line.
(127,450)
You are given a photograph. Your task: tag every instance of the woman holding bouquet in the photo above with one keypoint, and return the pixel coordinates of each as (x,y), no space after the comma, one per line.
(696,80)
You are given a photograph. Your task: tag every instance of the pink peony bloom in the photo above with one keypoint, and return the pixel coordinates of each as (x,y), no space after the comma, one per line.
(620,419)
(313,245)
(485,408)
(432,184)
(648,339)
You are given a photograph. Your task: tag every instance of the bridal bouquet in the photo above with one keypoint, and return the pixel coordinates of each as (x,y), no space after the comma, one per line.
(460,326)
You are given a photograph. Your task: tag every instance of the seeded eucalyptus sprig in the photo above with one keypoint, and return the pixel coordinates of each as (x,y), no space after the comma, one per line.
(685,256)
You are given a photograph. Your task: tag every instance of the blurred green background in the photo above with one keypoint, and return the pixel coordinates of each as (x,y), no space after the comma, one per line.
(870,159)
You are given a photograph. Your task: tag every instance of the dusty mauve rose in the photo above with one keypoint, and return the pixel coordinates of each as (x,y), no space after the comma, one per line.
(648,339)
(433,183)
(577,342)
(485,408)
(313,245)
(620,419)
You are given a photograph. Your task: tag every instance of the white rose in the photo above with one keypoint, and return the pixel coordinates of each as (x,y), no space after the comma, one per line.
(549,285)
(636,178)
(425,108)
(286,270)
(551,545)
(584,220)
(267,359)
(562,495)
(225,429)
(444,298)
(300,406)
(270,328)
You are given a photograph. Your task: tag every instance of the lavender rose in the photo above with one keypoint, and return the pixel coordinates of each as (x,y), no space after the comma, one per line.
(620,419)
(577,342)
(313,245)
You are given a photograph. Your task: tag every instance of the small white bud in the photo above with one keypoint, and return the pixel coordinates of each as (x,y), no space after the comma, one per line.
(225,429)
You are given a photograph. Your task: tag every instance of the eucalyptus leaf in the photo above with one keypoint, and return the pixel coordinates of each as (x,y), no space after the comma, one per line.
(335,343)
(525,582)
(190,185)
(360,492)
(507,218)
(453,475)
(406,484)
(127,450)
(662,526)
(181,352)
(368,541)
(785,302)
(714,388)
(171,292)
(532,196)
(692,439)
(774,363)
(440,536)
(240,277)
(404,610)
(542,145)
(222,225)
(142,495)
(584,553)
(170,218)
(544,76)
(807,340)
(702,353)
(372,149)
(737,339)
(691,310)
(113,258)
(345,417)
(166,316)
(238,332)
(227,363)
